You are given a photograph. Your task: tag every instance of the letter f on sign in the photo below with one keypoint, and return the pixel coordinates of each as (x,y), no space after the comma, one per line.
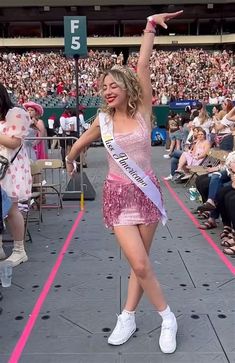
(74,25)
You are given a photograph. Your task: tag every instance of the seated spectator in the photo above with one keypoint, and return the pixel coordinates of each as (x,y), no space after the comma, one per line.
(195,155)
(175,134)
(203,119)
(185,120)
(225,108)
(194,113)
(216,177)
(225,205)
(209,186)
(175,156)
(215,119)
(223,128)
(216,116)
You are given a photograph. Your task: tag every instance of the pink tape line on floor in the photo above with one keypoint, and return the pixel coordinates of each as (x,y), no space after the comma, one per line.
(19,347)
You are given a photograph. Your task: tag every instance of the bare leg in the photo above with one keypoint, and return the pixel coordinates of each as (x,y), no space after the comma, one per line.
(135,242)
(182,162)
(132,244)
(135,290)
(16,223)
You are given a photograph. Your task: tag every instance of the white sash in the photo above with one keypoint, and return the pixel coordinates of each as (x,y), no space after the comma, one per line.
(129,167)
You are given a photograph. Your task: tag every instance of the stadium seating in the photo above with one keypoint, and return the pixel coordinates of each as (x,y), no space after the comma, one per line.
(57,102)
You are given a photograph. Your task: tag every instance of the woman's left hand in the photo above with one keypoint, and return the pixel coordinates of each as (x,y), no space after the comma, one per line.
(160,19)
(70,167)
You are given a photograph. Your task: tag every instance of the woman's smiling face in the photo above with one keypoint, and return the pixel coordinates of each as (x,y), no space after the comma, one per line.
(114,95)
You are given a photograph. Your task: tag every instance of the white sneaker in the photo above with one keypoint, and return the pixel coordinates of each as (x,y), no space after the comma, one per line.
(123,330)
(166,156)
(167,340)
(2,254)
(169,177)
(17,257)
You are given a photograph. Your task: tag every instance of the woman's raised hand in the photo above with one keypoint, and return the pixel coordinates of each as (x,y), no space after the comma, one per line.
(161,19)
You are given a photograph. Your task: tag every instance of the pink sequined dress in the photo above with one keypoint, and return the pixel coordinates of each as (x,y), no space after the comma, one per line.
(123,202)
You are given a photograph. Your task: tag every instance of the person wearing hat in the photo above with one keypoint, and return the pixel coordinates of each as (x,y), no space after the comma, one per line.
(35,112)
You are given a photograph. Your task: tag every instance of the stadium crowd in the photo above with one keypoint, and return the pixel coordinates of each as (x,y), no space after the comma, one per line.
(176,75)
(201,151)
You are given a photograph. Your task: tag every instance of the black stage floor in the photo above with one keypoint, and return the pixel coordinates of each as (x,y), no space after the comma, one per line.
(63,302)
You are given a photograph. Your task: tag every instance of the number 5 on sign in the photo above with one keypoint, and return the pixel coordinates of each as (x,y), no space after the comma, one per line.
(75,43)
(75,35)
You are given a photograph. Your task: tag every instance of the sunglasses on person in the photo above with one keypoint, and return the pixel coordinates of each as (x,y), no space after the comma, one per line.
(232,172)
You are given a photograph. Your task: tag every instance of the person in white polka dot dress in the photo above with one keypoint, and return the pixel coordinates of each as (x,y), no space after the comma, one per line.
(17,183)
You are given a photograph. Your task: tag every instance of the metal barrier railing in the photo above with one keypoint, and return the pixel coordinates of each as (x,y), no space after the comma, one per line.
(63,143)
(91,119)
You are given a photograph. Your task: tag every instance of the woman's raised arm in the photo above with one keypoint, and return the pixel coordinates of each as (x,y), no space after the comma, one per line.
(143,70)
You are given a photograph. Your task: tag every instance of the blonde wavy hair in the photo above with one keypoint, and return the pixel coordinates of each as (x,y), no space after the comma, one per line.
(127,80)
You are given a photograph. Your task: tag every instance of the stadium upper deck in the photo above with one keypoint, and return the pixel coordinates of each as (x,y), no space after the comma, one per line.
(114,23)
(104,2)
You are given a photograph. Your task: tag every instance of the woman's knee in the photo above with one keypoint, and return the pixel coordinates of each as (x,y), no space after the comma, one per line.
(13,209)
(142,268)
(14,212)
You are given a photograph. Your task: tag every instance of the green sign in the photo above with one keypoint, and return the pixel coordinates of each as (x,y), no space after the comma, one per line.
(75,35)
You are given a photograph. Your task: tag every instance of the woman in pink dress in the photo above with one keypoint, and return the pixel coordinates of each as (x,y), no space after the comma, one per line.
(127,209)
(17,183)
(36,111)
(196,154)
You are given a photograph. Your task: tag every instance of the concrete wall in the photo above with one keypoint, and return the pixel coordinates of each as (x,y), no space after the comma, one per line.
(15,3)
(119,41)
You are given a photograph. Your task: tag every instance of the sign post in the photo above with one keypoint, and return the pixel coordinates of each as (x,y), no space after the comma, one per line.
(75,44)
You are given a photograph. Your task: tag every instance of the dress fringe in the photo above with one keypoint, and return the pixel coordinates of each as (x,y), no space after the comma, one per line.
(119,197)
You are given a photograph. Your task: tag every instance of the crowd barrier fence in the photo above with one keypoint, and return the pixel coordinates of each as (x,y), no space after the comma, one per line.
(56,148)
(160,113)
